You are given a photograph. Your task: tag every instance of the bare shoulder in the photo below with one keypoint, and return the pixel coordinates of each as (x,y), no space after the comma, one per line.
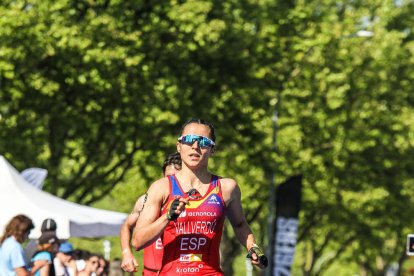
(228,184)
(160,183)
(230,189)
(159,190)
(140,203)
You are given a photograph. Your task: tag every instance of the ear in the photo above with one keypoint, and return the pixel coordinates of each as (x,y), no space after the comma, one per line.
(178,147)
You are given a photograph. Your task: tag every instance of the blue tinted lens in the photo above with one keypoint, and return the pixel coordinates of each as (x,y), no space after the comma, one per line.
(190,139)
(203,142)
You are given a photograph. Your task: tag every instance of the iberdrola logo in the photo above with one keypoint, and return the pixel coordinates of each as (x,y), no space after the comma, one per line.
(183,214)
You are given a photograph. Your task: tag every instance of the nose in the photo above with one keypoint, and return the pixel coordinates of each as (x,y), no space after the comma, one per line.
(196,144)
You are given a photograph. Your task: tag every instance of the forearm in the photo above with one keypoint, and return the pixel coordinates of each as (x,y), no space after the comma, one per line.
(21,271)
(150,224)
(244,234)
(146,235)
(125,237)
(37,265)
(129,263)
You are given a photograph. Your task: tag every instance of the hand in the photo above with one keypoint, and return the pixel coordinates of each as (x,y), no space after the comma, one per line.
(39,264)
(257,257)
(129,263)
(256,262)
(72,265)
(176,208)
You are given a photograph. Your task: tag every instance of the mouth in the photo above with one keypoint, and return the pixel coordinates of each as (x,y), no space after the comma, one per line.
(194,156)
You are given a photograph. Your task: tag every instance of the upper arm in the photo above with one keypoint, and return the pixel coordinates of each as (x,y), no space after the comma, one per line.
(157,193)
(131,220)
(133,217)
(139,204)
(232,196)
(17,257)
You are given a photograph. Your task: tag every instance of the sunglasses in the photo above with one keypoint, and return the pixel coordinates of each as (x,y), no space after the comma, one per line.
(203,142)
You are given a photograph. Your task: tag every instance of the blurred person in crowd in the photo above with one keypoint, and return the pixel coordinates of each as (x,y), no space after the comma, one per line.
(107,268)
(79,255)
(91,265)
(153,253)
(12,260)
(64,262)
(103,269)
(48,225)
(194,205)
(47,247)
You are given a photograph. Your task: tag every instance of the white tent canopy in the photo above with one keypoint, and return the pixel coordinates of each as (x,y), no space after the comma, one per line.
(73,220)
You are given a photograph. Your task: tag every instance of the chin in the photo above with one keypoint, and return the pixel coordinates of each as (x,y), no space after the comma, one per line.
(193,165)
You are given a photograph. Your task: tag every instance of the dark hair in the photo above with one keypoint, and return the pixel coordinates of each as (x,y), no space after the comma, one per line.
(201,122)
(80,254)
(171,159)
(18,226)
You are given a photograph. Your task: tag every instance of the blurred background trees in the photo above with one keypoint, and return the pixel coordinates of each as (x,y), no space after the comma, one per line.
(96,92)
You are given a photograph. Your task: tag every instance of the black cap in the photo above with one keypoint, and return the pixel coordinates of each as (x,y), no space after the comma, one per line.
(48,237)
(48,225)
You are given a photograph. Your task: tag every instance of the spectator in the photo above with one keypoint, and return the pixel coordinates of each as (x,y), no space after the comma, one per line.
(103,269)
(12,261)
(48,225)
(48,245)
(64,262)
(91,265)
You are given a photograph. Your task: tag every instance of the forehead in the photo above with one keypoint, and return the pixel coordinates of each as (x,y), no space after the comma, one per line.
(198,129)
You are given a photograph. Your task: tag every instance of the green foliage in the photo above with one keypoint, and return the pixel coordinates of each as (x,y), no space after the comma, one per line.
(96,92)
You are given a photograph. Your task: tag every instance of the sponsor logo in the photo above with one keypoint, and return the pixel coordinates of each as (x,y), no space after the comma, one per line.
(187,269)
(213,200)
(186,258)
(202,214)
(183,214)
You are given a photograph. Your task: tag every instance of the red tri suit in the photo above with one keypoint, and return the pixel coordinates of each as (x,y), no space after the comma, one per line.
(191,244)
(153,258)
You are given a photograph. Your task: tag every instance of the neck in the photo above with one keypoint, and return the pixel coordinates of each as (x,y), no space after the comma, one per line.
(60,258)
(194,178)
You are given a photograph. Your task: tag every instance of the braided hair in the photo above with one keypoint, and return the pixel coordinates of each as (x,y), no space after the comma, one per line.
(171,159)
